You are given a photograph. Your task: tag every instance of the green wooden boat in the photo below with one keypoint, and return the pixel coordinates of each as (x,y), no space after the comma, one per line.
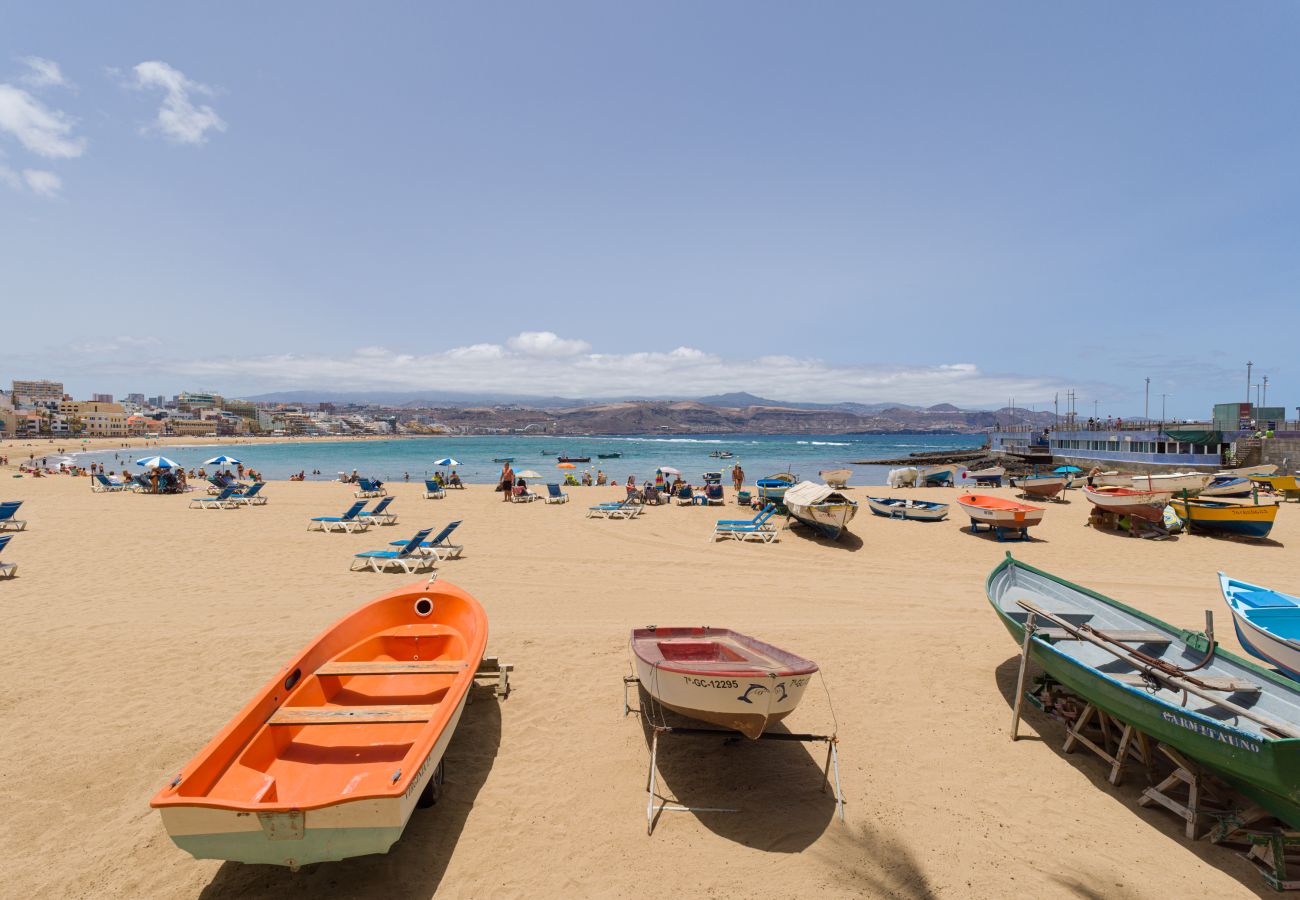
(1240,720)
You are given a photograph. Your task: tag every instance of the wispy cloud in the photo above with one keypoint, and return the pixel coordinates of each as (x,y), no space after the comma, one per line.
(43,182)
(43,73)
(179,118)
(543,363)
(41,130)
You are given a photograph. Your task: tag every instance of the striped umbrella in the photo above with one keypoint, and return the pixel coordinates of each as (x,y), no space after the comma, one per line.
(446,461)
(157,462)
(222,460)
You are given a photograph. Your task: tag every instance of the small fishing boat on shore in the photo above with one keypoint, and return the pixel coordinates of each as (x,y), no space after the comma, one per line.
(1216,517)
(1111,479)
(1227,486)
(836,478)
(1043,487)
(897,508)
(772,488)
(999,515)
(1247,471)
(821,507)
(720,676)
(1177,482)
(1286,485)
(937,475)
(989,477)
(1177,686)
(1149,505)
(334,753)
(1267,623)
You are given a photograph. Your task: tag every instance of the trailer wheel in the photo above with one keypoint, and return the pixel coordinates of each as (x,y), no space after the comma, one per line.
(433,790)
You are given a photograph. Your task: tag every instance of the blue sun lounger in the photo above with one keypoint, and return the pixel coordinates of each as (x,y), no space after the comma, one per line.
(350,521)
(7,570)
(439,547)
(102,484)
(252,496)
(367,487)
(623,510)
(555,495)
(742,529)
(380,515)
(409,559)
(433,490)
(224,500)
(7,520)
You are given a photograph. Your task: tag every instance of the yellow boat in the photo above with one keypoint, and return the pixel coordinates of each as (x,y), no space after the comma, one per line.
(1285,485)
(1226,518)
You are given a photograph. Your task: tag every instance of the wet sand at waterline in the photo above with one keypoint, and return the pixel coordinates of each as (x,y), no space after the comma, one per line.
(137,627)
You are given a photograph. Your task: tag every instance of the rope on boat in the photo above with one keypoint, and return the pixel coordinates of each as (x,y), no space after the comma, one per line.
(834,721)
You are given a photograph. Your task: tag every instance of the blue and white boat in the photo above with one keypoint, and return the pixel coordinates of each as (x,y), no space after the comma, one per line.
(1227,486)
(938,476)
(897,508)
(1267,623)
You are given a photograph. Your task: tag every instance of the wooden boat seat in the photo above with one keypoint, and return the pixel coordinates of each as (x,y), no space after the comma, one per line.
(1127,635)
(393,667)
(349,715)
(1214,683)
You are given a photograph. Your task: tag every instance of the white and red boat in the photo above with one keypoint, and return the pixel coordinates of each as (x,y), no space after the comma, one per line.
(720,676)
(1149,505)
(1000,513)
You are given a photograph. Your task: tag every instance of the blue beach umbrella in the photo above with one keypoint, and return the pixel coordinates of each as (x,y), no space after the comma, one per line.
(222,460)
(1067,470)
(157,462)
(446,461)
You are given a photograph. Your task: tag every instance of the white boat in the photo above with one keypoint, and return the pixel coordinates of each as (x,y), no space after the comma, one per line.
(822,507)
(836,478)
(898,508)
(1228,486)
(1266,623)
(991,476)
(1000,513)
(1177,482)
(1247,471)
(720,676)
(1112,479)
(937,475)
(1149,505)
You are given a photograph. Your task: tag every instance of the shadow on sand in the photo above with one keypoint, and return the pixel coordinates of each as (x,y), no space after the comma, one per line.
(416,863)
(847,539)
(775,786)
(1128,792)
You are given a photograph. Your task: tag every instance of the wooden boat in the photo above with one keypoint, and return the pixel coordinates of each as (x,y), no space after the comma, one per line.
(573,459)
(821,507)
(1247,471)
(1000,515)
(720,676)
(1043,486)
(772,489)
(931,476)
(1227,486)
(1225,713)
(1267,623)
(1282,484)
(1239,519)
(1192,482)
(836,478)
(992,476)
(331,756)
(896,508)
(1112,479)
(1149,505)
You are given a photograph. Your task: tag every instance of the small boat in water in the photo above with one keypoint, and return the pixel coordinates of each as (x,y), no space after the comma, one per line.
(836,478)
(1267,622)
(1229,715)
(1041,486)
(1149,505)
(722,454)
(504,459)
(1000,515)
(609,455)
(1227,486)
(897,508)
(821,507)
(331,757)
(1238,519)
(573,459)
(720,676)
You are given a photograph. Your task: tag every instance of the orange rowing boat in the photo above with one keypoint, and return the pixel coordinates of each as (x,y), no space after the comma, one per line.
(332,756)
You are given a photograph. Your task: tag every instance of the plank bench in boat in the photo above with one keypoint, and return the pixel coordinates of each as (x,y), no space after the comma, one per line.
(349,715)
(1214,683)
(1127,636)
(395,667)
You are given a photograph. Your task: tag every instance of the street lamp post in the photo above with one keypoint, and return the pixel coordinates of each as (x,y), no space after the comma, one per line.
(1146,404)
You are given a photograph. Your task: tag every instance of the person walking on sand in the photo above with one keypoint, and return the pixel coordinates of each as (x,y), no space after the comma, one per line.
(737,476)
(507,482)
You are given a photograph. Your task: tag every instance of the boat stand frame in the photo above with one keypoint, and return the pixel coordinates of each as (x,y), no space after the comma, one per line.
(490,667)
(1200,789)
(1000,531)
(832,766)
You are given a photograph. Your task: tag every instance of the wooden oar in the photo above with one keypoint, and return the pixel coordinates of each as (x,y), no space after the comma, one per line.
(1282,728)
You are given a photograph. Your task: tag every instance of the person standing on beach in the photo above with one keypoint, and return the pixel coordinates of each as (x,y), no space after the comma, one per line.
(737,476)
(507,482)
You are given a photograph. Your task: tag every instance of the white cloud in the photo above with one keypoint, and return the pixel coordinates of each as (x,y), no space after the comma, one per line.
(179,119)
(43,73)
(47,184)
(43,131)
(517,367)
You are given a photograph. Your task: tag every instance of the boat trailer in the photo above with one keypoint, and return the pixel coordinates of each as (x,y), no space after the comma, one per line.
(832,766)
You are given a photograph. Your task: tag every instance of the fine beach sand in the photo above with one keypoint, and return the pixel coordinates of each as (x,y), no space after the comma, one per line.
(137,627)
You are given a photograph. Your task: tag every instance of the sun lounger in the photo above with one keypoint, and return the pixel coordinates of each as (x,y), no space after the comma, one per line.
(367,488)
(409,559)
(625,510)
(439,546)
(102,484)
(686,496)
(224,500)
(523,495)
(380,515)
(7,570)
(763,515)
(7,520)
(217,484)
(742,530)
(555,495)
(713,494)
(433,490)
(252,496)
(350,521)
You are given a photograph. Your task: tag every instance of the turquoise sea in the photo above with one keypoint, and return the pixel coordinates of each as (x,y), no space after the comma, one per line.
(392,460)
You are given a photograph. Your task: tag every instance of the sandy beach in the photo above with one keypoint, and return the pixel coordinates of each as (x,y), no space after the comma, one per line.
(137,627)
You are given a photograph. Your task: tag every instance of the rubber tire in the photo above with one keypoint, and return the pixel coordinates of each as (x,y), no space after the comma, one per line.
(433,790)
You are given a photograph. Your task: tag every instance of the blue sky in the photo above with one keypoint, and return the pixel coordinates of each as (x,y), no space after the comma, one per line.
(914,202)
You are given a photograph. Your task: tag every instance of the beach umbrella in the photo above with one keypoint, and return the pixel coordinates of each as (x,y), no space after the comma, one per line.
(669,470)
(157,462)
(222,460)
(446,461)
(1066,470)
(529,474)
(565,466)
